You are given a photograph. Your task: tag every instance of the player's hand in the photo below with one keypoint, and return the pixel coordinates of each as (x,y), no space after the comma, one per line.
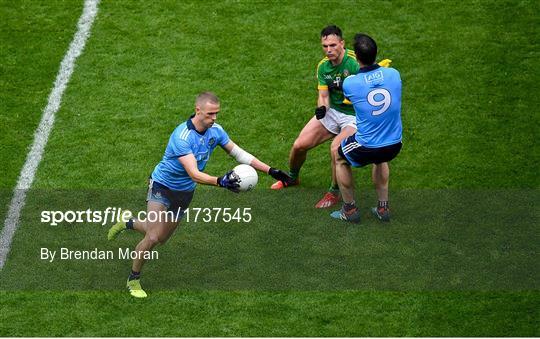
(320,112)
(229,181)
(279,175)
(385,63)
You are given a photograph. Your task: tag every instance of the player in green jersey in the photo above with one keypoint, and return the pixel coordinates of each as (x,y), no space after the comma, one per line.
(334,118)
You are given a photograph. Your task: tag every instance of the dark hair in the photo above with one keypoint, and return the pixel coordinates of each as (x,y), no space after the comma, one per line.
(332,29)
(365,49)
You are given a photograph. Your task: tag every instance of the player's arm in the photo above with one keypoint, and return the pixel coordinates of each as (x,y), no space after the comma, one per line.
(189,163)
(323,100)
(323,103)
(244,157)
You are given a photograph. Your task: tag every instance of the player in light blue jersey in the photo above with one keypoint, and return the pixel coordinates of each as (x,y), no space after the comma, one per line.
(173,180)
(375,93)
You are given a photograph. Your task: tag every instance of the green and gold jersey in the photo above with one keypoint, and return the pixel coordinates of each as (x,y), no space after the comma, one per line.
(328,74)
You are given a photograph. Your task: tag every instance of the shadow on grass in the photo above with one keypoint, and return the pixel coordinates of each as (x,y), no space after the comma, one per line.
(481,240)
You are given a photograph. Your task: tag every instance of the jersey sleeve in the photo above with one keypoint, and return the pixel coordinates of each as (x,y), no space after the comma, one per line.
(223,137)
(355,67)
(180,147)
(321,83)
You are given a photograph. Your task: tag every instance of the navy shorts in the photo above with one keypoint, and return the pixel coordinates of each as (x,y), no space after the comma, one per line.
(175,201)
(358,155)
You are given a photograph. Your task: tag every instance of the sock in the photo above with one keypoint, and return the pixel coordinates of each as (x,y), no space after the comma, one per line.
(129,224)
(134,275)
(294,174)
(383,204)
(347,206)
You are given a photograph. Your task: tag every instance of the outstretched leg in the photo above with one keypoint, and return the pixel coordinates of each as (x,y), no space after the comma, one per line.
(312,135)
(155,232)
(332,197)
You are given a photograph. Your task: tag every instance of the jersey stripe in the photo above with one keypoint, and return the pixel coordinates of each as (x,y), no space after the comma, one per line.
(185,133)
(216,125)
(319,65)
(322,61)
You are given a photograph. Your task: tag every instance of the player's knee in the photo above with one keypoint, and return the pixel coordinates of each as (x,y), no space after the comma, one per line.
(336,154)
(335,142)
(153,239)
(334,150)
(300,145)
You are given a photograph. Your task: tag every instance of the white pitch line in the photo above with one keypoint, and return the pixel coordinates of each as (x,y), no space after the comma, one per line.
(42,132)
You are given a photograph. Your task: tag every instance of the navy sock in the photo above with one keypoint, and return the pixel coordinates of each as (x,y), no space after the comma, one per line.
(129,224)
(349,206)
(383,204)
(134,275)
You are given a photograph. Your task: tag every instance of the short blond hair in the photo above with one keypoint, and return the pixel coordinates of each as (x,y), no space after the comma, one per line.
(206,97)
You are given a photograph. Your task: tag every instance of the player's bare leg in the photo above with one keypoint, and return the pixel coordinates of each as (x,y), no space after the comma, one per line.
(345,180)
(349,211)
(141,226)
(312,135)
(332,197)
(380,175)
(156,232)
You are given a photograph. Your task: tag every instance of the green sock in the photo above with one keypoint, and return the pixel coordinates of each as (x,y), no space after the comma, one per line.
(294,174)
(333,188)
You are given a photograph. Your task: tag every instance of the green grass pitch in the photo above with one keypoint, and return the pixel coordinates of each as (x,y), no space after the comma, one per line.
(460,257)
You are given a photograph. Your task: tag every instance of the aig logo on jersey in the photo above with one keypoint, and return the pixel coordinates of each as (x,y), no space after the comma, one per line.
(212,141)
(374,78)
(202,156)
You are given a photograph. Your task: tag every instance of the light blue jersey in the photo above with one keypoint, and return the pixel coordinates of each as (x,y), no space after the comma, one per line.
(375,93)
(185,140)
